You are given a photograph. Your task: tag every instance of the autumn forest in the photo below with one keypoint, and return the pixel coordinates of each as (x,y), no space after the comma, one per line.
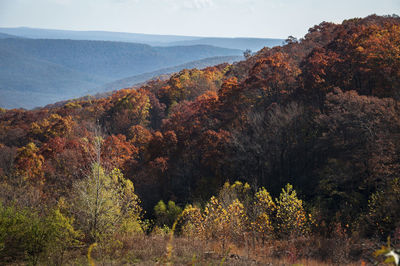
(289,156)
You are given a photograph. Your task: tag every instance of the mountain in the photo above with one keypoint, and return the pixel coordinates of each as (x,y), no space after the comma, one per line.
(253,44)
(27,81)
(135,80)
(151,39)
(6,36)
(112,60)
(70,68)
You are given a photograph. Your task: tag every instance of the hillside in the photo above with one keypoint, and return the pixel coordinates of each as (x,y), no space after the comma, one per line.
(66,68)
(135,80)
(254,44)
(6,36)
(289,155)
(151,39)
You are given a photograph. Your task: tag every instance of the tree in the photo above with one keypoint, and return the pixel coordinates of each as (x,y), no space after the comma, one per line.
(192,220)
(96,206)
(29,163)
(127,108)
(272,79)
(225,217)
(290,214)
(384,211)
(62,235)
(360,143)
(291,39)
(105,202)
(166,214)
(363,57)
(247,53)
(52,126)
(264,212)
(116,151)
(26,235)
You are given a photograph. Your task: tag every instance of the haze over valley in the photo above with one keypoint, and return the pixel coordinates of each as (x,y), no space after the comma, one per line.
(39,67)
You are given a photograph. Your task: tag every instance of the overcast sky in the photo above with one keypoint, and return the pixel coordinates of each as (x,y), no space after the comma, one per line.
(227,18)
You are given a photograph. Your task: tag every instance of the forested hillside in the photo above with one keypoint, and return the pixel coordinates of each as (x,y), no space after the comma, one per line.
(293,153)
(134,80)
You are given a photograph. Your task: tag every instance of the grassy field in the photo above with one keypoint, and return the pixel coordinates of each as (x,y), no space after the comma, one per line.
(152,250)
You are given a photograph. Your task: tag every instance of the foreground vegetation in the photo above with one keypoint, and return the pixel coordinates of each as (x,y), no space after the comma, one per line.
(236,227)
(289,156)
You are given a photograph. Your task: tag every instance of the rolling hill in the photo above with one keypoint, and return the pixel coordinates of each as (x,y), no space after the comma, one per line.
(253,44)
(152,39)
(6,36)
(138,79)
(68,68)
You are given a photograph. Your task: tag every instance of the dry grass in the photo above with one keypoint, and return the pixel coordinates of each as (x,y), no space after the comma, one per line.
(151,250)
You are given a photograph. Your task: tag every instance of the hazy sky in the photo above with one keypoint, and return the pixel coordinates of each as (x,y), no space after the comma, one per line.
(234,18)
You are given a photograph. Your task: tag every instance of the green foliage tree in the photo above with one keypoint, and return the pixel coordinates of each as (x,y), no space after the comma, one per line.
(95,206)
(106,203)
(166,214)
(62,236)
(25,235)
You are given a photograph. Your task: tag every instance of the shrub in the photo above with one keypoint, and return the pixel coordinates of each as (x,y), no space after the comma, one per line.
(192,222)
(26,235)
(166,214)
(384,210)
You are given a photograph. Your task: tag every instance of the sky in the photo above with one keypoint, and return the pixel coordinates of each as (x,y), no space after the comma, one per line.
(219,18)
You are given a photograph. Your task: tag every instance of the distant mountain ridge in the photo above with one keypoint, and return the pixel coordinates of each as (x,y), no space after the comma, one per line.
(254,44)
(6,36)
(111,60)
(62,69)
(37,33)
(40,66)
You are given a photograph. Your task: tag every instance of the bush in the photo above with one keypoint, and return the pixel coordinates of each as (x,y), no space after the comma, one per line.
(166,214)
(25,235)
(384,211)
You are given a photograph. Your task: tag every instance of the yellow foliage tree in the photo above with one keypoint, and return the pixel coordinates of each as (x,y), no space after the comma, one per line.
(225,224)
(106,203)
(29,163)
(52,126)
(263,211)
(193,222)
(291,216)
